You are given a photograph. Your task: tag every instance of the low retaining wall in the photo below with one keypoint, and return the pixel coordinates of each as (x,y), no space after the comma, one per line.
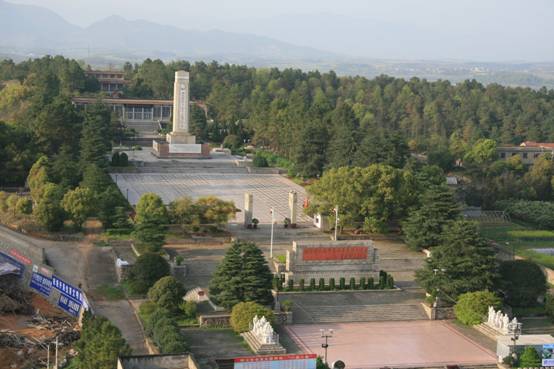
(438,313)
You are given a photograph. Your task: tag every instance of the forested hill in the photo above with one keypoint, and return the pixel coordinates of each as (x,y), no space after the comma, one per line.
(316,120)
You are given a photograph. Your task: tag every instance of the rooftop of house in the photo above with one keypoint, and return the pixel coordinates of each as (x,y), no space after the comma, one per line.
(546,145)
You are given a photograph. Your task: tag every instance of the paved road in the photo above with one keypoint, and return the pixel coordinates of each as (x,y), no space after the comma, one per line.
(81,262)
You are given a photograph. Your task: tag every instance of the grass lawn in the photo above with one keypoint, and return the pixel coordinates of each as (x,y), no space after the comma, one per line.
(523,239)
(110,292)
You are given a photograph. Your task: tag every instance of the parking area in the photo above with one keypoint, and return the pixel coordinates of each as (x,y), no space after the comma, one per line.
(269,190)
(392,344)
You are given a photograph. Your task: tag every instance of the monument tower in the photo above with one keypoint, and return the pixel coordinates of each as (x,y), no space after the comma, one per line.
(179,143)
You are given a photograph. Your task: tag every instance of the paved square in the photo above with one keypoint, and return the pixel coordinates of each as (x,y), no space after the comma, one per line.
(393,344)
(269,190)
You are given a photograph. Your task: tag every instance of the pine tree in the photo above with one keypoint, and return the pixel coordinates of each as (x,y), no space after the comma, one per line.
(96,136)
(463,262)
(344,143)
(424,227)
(243,275)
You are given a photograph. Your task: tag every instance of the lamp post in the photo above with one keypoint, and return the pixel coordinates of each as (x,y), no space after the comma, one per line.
(515,330)
(271,241)
(326,333)
(336,209)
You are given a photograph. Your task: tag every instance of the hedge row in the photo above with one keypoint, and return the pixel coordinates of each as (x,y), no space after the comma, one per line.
(539,213)
(386,281)
(162,328)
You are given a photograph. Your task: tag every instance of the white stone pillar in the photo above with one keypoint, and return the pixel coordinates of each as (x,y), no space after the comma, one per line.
(248,208)
(293,200)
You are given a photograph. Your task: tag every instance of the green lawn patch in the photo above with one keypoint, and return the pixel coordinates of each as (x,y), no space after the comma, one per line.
(110,292)
(523,239)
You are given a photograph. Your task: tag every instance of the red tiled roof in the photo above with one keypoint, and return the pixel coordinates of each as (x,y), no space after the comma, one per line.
(547,145)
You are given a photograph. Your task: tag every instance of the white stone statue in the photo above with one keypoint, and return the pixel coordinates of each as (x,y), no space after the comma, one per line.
(498,321)
(263,330)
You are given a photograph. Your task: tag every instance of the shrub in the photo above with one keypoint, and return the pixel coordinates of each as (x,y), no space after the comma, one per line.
(24,206)
(179,260)
(332,284)
(260,161)
(549,306)
(3,201)
(243,313)
(362,283)
(189,309)
(473,306)
(530,358)
(522,281)
(115,159)
(382,279)
(163,330)
(301,285)
(342,283)
(232,142)
(321,286)
(167,293)
(540,213)
(290,284)
(277,283)
(123,160)
(390,282)
(352,284)
(286,305)
(147,269)
(370,283)
(312,283)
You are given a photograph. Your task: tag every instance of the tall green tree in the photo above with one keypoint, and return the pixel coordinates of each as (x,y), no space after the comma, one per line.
(48,210)
(424,227)
(242,275)
(463,262)
(344,140)
(100,344)
(96,136)
(79,204)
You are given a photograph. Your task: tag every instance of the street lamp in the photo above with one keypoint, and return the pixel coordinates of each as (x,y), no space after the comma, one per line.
(514,328)
(271,242)
(336,209)
(326,333)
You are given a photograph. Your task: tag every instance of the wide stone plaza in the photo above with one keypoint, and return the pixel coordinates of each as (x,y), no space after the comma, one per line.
(392,344)
(269,190)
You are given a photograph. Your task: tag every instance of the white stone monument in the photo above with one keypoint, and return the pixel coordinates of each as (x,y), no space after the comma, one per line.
(293,200)
(498,321)
(180,132)
(248,208)
(263,331)
(262,339)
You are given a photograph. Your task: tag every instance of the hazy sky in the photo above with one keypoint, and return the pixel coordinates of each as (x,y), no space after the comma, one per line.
(485,30)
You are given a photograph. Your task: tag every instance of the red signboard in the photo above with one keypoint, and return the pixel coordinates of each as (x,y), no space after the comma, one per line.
(250,359)
(16,254)
(335,253)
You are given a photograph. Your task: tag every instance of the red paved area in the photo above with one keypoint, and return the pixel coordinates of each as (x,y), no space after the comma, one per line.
(398,344)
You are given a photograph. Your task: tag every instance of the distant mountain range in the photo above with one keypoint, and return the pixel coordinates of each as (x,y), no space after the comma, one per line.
(27,28)
(32,31)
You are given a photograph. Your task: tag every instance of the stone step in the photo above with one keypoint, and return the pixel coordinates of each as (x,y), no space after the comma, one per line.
(262,349)
(364,313)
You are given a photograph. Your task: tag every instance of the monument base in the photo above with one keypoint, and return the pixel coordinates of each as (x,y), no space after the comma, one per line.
(166,150)
(180,138)
(260,348)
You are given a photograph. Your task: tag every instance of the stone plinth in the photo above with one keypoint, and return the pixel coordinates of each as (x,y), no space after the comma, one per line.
(331,259)
(180,138)
(165,150)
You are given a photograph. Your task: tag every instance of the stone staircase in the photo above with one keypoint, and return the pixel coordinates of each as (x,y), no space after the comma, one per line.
(362,313)
(487,331)
(262,349)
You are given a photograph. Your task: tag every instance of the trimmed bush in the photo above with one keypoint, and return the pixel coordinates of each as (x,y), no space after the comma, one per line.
(277,283)
(243,313)
(522,282)
(342,283)
(472,307)
(321,285)
(312,283)
(123,159)
(362,285)
(332,284)
(260,161)
(167,293)
(189,309)
(301,285)
(352,284)
(148,269)
(290,284)
(115,159)
(286,305)
(370,283)
(390,282)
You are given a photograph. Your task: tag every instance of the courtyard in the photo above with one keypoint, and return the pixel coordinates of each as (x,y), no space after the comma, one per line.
(269,190)
(392,344)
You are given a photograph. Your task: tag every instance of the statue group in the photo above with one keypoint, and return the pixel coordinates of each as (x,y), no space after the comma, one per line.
(263,330)
(500,322)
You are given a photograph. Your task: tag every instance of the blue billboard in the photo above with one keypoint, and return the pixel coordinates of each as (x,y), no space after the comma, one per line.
(41,283)
(69,305)
(67,289)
